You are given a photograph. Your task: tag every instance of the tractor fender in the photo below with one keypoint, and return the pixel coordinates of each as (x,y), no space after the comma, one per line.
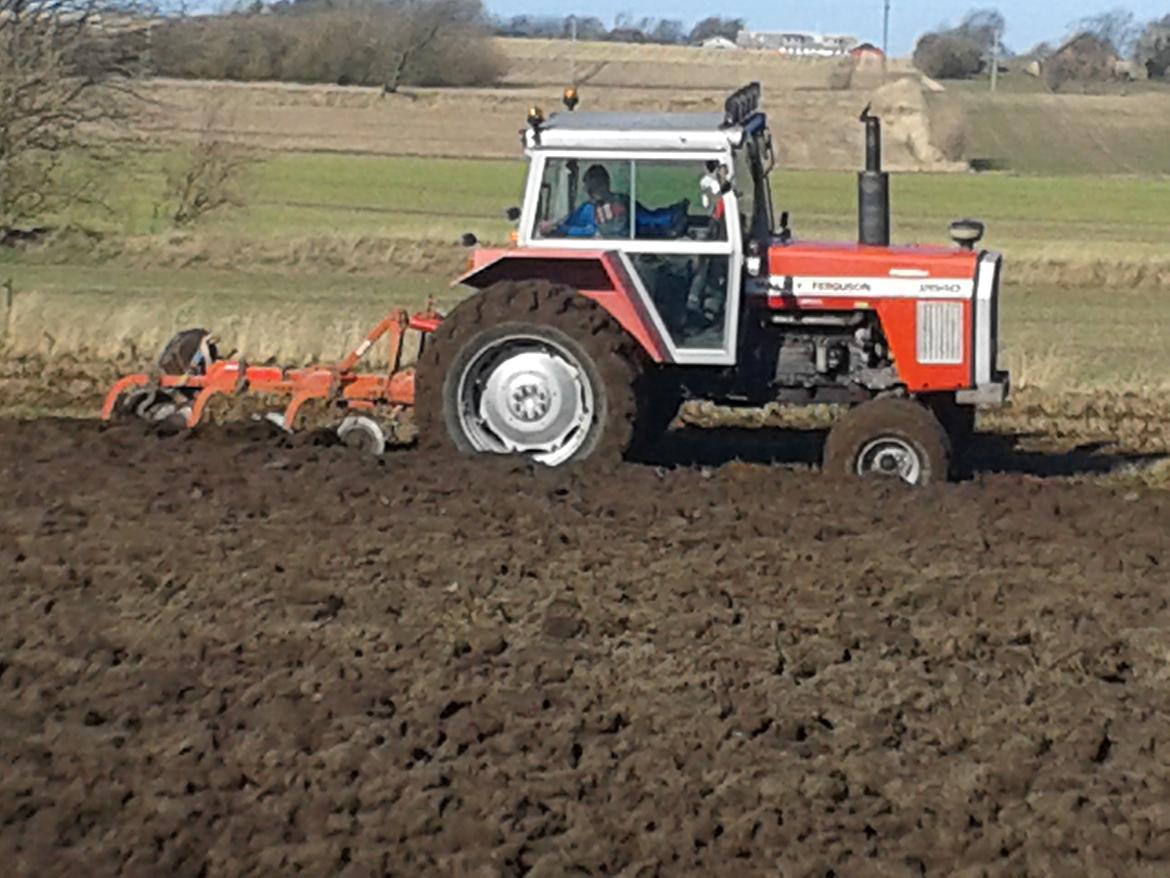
(596,274)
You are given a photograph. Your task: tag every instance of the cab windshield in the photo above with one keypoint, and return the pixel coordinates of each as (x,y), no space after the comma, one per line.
(642,199)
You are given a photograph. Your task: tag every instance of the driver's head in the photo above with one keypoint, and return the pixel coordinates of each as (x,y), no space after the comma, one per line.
(597,183)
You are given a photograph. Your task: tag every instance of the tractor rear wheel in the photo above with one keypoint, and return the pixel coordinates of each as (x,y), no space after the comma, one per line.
(530,368)
(892,438)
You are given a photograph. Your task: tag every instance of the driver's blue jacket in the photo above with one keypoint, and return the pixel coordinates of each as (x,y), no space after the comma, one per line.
(611,220)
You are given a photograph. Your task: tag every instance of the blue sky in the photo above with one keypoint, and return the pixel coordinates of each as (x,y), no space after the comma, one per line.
(1028,22)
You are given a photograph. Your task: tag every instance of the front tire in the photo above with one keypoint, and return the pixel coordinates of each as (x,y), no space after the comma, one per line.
(531,369)
(891,438)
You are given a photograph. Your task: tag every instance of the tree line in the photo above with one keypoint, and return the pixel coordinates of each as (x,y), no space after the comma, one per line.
(1096,45)
(387,43)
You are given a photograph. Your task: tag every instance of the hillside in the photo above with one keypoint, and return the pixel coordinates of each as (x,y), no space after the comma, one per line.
(1041,133)
(814,105)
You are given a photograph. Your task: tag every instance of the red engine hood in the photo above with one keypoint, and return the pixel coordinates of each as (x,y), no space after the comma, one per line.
(824,259)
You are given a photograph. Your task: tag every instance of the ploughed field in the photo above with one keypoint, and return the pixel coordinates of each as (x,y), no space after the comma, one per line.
(224,654)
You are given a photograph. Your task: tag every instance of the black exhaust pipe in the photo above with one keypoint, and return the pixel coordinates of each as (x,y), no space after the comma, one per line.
(873,188)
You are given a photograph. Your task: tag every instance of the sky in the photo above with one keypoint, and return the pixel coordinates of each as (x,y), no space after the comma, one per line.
(1027,22)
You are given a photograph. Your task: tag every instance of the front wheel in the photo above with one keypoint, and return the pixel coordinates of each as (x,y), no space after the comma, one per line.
(889,438)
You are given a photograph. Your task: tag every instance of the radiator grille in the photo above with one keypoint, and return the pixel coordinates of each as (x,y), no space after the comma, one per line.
(940,333)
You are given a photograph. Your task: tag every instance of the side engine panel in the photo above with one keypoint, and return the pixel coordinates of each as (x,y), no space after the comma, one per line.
(921,303)
(821,355)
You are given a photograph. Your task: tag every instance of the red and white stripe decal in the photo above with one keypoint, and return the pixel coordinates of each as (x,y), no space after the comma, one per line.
(779,287)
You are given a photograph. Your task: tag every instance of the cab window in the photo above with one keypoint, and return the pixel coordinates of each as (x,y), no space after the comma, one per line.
(625,200)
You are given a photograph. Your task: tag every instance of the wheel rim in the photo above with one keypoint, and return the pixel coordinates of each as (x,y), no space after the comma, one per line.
(890,457)
(363,434)
(526,395)
(164,407)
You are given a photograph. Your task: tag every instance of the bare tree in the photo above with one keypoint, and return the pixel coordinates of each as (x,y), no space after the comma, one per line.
(950,54)
(1153,48)
(1116,27)
(65,69)
(669,31)
(716,26)
(209,176)
(422,25)
(986,27)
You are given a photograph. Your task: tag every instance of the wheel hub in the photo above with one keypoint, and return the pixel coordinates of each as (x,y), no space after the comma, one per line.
(529,401)
(892,458)
(526,395)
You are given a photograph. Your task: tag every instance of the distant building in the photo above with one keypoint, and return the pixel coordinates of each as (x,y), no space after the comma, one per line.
(718,43)
(867,50)
(798,43)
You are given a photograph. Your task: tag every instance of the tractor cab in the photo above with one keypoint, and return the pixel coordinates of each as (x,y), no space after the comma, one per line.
(678,199)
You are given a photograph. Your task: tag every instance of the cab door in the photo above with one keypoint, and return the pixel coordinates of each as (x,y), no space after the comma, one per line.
(672,227)
(690,276)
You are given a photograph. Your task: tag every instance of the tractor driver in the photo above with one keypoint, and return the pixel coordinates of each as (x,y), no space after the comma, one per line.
(606,214)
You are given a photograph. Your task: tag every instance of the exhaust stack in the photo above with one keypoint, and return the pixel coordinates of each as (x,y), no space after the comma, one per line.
(873,188)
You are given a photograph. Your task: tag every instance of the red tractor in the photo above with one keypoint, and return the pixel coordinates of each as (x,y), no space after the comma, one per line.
(649,267)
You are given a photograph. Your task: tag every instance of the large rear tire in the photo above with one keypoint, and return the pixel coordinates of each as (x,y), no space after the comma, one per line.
(534,369)
(891,438)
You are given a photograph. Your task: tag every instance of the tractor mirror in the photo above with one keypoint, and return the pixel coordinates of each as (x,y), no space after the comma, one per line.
(468,239)
(783,233)
(967,233)
(513,214)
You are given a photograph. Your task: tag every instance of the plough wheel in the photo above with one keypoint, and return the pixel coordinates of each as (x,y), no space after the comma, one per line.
(159,407)
(133,404)
(363,434)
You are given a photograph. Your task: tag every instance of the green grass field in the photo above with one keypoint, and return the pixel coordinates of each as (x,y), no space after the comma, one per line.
(1090,333)
(315,195)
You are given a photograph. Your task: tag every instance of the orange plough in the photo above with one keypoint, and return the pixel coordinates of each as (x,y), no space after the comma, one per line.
(364,398)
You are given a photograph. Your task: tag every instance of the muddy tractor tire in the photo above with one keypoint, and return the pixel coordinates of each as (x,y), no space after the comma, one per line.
(890,438)
(957,420)
(533,368)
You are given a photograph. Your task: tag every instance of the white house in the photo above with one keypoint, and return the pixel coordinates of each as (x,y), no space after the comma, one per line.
(798,43)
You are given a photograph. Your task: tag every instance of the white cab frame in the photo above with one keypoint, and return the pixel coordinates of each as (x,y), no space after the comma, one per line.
(732,248)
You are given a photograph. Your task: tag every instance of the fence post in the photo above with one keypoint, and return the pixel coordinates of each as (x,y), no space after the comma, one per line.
(8,295)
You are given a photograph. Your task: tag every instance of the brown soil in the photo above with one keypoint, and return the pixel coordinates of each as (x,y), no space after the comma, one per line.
(221,655)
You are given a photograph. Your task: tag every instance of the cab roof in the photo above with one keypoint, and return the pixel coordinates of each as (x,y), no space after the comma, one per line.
(705,132)
(649,131)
